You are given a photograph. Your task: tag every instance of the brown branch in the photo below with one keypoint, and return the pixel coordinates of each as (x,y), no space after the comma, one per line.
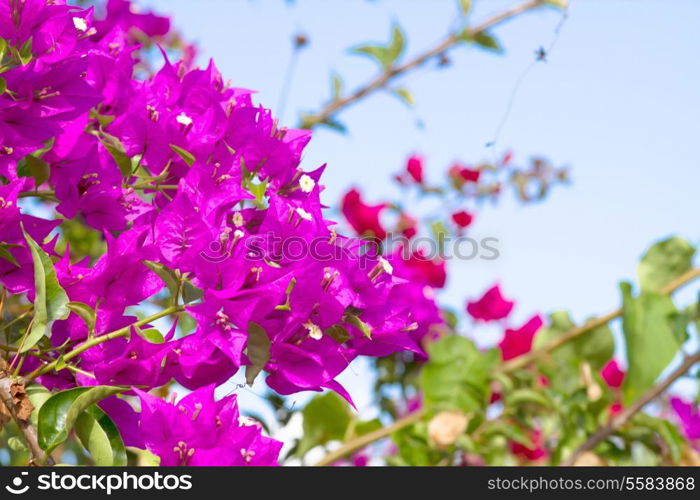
(391,73)
(39,456)
(369,438)
(617,422)
(523,361)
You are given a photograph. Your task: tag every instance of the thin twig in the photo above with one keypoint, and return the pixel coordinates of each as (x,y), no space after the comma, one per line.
(122,332)
(523,361)
(25,426)
(621,419)
(370,438)
(393,72)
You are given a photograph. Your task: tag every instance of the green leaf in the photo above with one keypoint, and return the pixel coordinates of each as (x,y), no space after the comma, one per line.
(190,293)
(326,418)
(116,149)
(85,312)
(405,96)
(15,443)
(487,41)
(169,277)
(152,335)
(3,47)
(186,156)
(525,396)
(481,39)
(465,6)
(650,339)
(50,299)
(58,414)
(100,437)
(456,375)
(25,52)
(338,333)
(664,261)
(38,169)
(354,320)
(595,347)
(385,55)
(258,351)
(336,86)
(38,395)
(5,254)
(3,85)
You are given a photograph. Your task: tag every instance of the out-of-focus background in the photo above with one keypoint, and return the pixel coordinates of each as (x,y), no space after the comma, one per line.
(617,100)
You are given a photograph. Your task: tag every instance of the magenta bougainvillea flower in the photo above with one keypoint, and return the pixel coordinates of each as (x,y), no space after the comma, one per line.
(491,306)
(612,374)
(689,416)
(462,218)
(414,168)
(536,451)
(200,431)
(518,341)
(363,218)
(189,182)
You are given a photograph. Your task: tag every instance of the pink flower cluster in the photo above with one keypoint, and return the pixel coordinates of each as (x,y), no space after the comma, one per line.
(184,171)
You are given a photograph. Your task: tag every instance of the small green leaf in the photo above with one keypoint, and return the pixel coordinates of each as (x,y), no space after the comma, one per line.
(338,333)
(3,85)
(152,335)
(524,396)
(387,55)
(169,277)
(38,169)
(481,39)
(25,52)
(405,96)
(116,149)
(258,351)
(58,414)
(190,293)
(326,418)
(465,6)
(487,41)
(15,443)
(355,321)
(86,313)
(336,86)
(5,254)
(50,299)
(663,262)
(38,395)
(100,437)
(186,156)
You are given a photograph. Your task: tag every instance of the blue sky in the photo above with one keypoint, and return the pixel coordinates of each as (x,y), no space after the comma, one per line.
(617,101)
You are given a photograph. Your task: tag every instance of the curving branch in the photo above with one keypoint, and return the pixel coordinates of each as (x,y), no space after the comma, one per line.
(370,438)
(620,420)
(527,359)
(390,74)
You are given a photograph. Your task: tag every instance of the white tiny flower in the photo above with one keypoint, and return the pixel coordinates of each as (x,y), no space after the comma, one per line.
(306,183)
(183,119)
(304,214)
(246,421)
(80,24)
(238,234)
(388,268)
(314,330)
(238,219)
